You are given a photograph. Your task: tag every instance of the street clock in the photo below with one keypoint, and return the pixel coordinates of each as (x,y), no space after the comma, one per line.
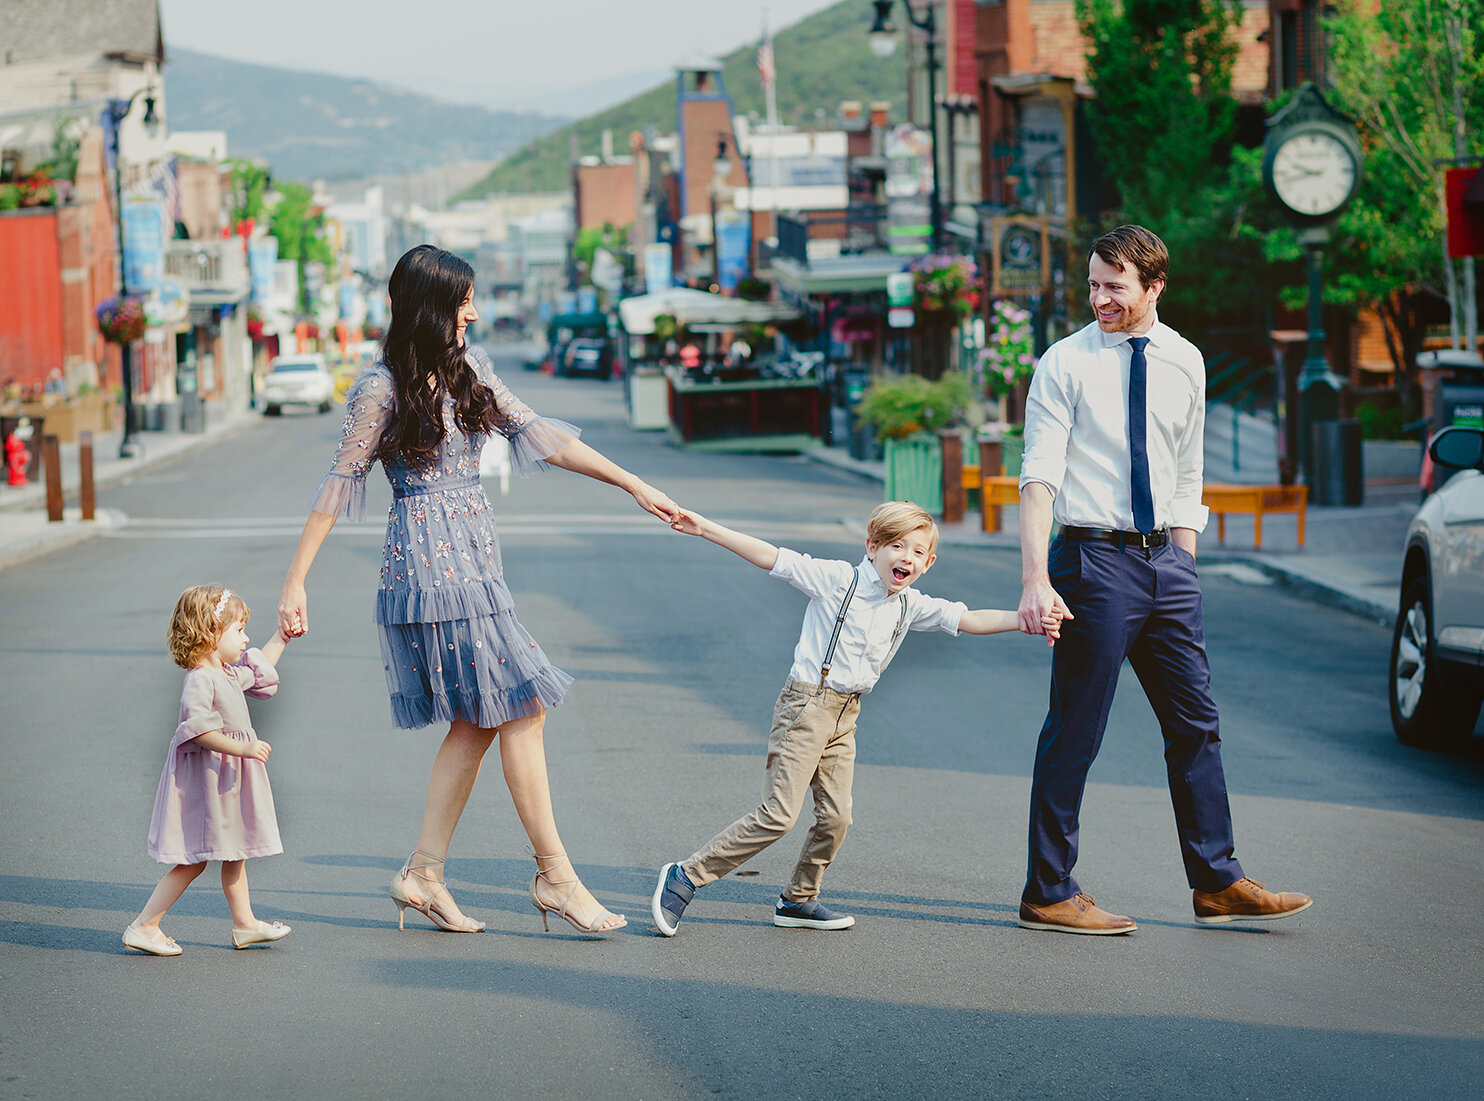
(1311,159)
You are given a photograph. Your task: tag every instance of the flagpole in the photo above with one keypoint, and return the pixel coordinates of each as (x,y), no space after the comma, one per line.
(771,94)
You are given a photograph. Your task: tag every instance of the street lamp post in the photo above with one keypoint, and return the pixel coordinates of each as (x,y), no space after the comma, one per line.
(118,110)
(721,168)
(883,40)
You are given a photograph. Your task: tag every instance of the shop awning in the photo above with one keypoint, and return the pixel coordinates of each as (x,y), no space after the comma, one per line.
(692,308)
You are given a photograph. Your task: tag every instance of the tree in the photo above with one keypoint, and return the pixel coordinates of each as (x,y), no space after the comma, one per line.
(299,226)
(589,240)
(1163,122)
(1411,72)
(250,184)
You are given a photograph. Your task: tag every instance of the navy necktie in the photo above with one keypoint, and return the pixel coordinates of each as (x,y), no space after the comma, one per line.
(1138,430)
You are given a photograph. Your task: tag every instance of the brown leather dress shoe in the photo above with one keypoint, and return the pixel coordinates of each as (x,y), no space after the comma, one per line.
(1074,915)
(1247,900)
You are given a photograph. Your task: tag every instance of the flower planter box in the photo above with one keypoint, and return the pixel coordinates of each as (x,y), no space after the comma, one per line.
(87,413)
(914,472)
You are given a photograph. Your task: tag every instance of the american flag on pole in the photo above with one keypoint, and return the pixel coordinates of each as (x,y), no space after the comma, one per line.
(765,61)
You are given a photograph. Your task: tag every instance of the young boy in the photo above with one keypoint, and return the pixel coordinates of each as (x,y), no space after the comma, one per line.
(856,619)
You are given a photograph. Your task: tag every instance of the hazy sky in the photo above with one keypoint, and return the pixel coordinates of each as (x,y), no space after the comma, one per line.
(492,52)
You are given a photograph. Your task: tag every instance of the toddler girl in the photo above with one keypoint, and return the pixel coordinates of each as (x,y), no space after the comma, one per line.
(213,802)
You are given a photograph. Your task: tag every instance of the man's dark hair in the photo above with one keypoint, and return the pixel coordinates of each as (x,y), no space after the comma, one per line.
(1135,247)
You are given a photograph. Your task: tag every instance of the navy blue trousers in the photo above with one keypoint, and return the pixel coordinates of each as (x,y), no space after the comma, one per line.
(1143,606)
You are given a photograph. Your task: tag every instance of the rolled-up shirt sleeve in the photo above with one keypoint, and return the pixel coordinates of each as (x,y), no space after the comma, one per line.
(815,577)
(1048,424)
(1186,509)
(933,613)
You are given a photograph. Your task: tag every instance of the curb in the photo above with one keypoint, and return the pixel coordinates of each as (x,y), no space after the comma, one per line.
(114,471)
(47,536)
(1317,590)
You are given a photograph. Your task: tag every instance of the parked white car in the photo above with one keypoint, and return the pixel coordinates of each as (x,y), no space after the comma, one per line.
(298,380)
(1437,649)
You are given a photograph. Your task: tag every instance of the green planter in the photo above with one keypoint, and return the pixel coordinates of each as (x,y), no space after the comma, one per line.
(914,472)
(1011,450)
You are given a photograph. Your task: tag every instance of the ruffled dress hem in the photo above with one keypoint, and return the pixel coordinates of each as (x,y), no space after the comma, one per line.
(215,854)
(485,710)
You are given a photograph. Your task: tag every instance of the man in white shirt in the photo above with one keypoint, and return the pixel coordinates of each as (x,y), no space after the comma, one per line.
(1113,453)
(856,618)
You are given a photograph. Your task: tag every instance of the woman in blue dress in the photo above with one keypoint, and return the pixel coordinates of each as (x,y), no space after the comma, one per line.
(452,647)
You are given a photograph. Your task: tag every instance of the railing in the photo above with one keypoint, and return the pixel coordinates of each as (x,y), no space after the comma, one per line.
(1245,387)
(207,265)
(857,229)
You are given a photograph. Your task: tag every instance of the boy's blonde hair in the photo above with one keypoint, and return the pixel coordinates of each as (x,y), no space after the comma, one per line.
(897,519)
(201,614)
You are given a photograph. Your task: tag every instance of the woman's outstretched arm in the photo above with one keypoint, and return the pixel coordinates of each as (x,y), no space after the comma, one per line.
(579,458)
(293,603)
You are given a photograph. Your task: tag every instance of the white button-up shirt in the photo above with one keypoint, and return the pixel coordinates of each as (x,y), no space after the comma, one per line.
(1076,429)
(869,637)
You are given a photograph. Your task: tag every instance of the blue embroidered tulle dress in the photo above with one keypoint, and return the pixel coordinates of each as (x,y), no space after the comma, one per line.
(450,641)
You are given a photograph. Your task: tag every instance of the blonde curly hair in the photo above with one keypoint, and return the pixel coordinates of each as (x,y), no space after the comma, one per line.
(196,625)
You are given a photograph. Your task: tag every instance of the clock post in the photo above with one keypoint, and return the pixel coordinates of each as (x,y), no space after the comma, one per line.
(1311,168)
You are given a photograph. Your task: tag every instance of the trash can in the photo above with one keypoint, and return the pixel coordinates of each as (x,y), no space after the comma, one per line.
(191,413)
(1338,474)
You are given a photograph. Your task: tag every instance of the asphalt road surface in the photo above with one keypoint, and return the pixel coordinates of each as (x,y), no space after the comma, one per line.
(679,649)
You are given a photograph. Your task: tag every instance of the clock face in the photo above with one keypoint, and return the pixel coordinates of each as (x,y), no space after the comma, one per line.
(1313,173)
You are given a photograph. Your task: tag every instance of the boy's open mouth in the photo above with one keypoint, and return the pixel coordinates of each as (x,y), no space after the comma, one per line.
(900,574)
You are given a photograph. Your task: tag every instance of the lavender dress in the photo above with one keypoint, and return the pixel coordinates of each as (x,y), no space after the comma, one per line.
(450,643)
(209,805)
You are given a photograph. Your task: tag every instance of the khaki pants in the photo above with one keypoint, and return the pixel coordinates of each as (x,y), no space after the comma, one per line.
(811,748)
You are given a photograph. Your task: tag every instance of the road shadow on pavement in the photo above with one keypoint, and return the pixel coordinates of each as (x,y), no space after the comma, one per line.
(722,1039)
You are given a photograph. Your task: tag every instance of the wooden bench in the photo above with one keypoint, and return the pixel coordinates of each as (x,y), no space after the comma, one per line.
(1257,500)
(995,492)
(999,490)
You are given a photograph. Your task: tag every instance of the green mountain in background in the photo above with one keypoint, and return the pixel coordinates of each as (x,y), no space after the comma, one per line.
(821,61)
(318,126)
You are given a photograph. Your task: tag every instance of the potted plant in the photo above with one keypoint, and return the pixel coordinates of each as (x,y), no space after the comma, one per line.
(907,413)
(1007,363)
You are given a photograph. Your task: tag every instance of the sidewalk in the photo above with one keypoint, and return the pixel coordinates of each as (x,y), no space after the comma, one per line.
(25,531)
(1352,557)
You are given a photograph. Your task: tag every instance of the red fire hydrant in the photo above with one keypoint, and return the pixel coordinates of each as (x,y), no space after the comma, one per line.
(17,458)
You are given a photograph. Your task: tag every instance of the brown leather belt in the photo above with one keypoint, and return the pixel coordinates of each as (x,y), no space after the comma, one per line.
(1116,537)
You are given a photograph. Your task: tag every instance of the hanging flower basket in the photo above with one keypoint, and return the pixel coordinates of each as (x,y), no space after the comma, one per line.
(946,285)
(121,320)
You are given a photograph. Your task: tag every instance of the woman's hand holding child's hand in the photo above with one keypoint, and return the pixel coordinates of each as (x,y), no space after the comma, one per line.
(653,501)
(293,612)
(687,523)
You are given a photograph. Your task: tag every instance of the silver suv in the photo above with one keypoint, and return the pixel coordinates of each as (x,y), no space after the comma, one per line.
(1437,649)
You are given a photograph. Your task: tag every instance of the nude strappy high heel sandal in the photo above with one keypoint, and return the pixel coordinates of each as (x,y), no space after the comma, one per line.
(429,907)
(597,925)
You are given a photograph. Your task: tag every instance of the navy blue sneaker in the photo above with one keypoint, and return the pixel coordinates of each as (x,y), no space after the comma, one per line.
(671,896)
(811,914)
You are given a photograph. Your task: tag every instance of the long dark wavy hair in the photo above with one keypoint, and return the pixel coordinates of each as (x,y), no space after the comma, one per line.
(426,358)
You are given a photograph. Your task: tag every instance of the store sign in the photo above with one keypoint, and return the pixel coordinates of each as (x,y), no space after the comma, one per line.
(1021,256)
(909,183)
(658,268)
(901,292)
(733,247)
(144,244)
